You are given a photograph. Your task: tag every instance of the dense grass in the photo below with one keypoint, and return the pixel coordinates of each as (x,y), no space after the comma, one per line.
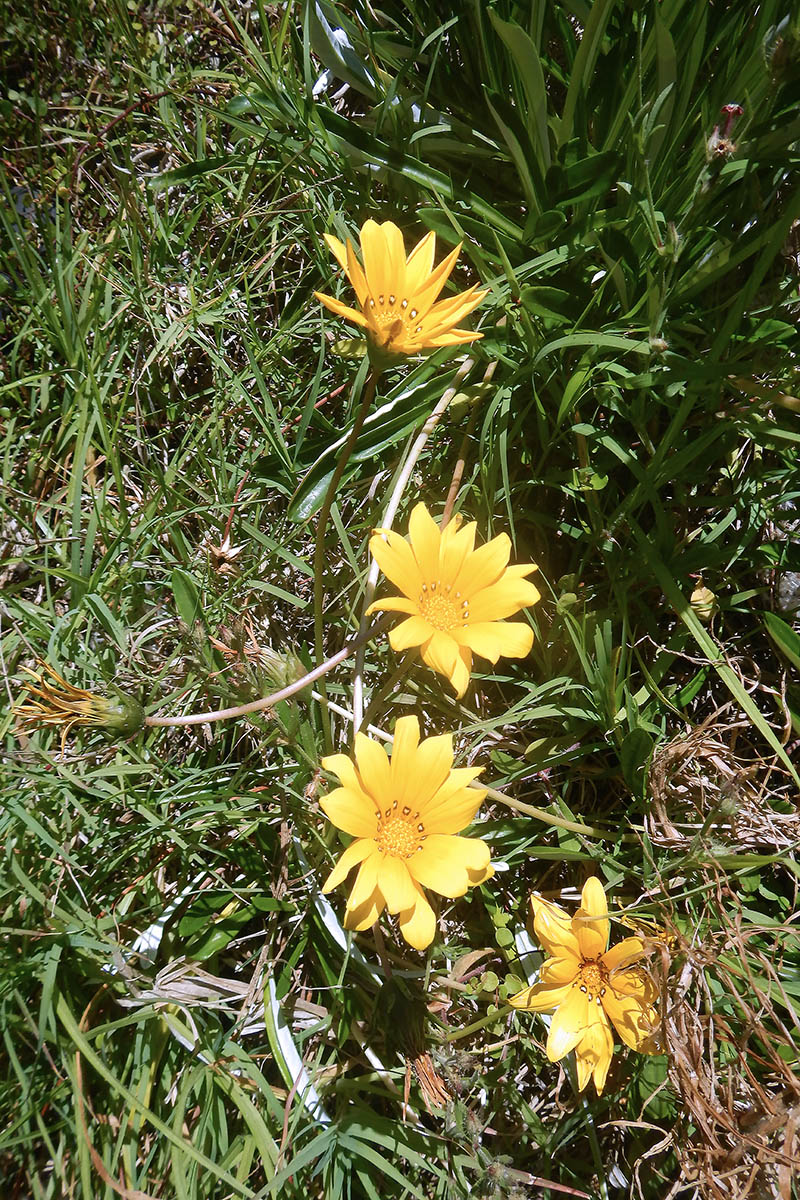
(172,390)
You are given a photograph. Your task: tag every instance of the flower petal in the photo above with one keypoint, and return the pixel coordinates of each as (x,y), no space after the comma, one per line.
(352,812)
(442,654)
(412,632)
(425,537)
(337,249)
(356,274)
(395,884)
(484,566)
(502,599)
(432,765)
(418,924)
(342,310)
(594,1051)
(553,928)
(456,545)
(375,254)
(590,922)
(568,1025)
(634,1016)
(420,264)
(444,861)
(396,559)
(425,297)
(541,997)
(366,914)
(343,766)
(366,880)
(355,853)
(456,338)
(495,639)
(558,970)
(454,804)
(393,604)
(624,954)
(373,767)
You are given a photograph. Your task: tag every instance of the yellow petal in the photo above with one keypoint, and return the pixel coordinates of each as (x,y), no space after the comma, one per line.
(395,884)
(457,337)
(432,765)
(384,258)
(425,297)
(366,880)
(366,914)
(342,310)
(624,954)
(553,928)
(396,559)
(454,804)
(634,1019)
(496,639)
(373,767)
(418,924)
(356,274)
(355,853)
(444,861)
(541,997)
(502,599)
(484,566)
(447,313)
(568,1024)
(344,767)
(352,812)
(420,264)
(442,654)
(594,1051)
(425,539)
(455,546)
(338,250)
(404,752)
(411,632)
(393,604)
(558,970)
(590,922)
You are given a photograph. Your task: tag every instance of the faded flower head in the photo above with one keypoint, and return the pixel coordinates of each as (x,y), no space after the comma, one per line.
(589,985)
(404,813)
(398,295)
(456,598)
(57,703)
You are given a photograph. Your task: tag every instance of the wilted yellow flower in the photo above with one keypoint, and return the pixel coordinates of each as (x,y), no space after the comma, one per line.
(397,295)
(403,813)
(587,984)
(456,597)
(63,706)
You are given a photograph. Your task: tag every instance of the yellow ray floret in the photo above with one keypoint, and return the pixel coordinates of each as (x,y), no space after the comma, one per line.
(398,295)
(589,985)
(404,813)
(456,599)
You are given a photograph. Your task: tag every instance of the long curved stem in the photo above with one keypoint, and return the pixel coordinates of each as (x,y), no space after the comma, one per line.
(319,545)
(241,710)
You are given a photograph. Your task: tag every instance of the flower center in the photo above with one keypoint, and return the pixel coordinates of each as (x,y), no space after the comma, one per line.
(399,834)
(440,608)
(593,977)
(392,317)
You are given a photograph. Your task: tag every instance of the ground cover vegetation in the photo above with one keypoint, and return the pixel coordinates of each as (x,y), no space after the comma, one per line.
(196,455)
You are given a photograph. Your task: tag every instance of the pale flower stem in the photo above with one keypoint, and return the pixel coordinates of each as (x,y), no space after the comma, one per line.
(388,517)
(242,710)
(319,545)
(461,462)
(541,815)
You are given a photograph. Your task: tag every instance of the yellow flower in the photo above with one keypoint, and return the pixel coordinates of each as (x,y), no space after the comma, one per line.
(588,984)
(397,295)
(403,813)
(55,702)
(456,597)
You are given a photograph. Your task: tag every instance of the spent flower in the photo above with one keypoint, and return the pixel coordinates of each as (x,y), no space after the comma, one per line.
(456,598)
(589,985)
(404,813)
(55,702)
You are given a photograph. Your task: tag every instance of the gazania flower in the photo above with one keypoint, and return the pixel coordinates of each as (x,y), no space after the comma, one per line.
(58,703)
(399,312)
(404,814)
(456,597)
(589,985)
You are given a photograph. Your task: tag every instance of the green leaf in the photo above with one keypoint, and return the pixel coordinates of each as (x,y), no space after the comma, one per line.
(187,597)
(784,637)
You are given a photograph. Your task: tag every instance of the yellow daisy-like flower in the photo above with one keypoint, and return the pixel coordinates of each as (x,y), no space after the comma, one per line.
(398,295)
(587,984)
(456,597)
(403,813)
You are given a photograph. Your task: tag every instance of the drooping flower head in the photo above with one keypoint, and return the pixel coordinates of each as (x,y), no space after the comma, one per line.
(587,984)
(456,597)
(55,702)
(399,312)
(403,813)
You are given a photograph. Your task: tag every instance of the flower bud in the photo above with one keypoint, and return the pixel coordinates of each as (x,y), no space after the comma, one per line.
(704,603)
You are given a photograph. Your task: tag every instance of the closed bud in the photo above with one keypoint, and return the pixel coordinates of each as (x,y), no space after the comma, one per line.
(704,603)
